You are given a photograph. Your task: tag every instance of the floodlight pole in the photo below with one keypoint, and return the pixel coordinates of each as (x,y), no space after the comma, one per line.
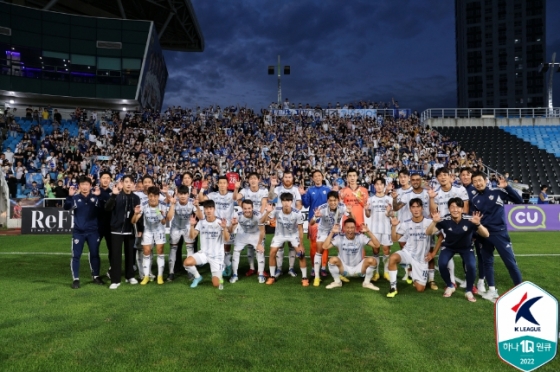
(552,65)
(279,83)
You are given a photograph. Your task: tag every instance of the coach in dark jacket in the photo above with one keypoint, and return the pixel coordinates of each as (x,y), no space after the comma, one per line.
(123,203)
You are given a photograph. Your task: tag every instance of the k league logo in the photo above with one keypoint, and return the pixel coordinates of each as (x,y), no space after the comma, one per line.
(526,327)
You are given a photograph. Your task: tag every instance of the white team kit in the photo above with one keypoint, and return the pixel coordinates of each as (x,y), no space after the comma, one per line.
(255,196)
(286,227)
(248,231)
(379,222)
(404,196)
(351,252)
(416,248)
(425,202)
(180,225)
(224,207)
(328,219)
(443,197)
(279,190)
(154,230)
(211,246)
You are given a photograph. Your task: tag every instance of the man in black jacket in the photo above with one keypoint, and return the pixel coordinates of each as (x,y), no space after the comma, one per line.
(104,218)
(124,204)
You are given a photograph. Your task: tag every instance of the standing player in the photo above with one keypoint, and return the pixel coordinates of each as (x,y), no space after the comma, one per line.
(180,226)
(490,202)
(415,249)
(378,207)
(156,216)
(85,206)
(457,230)
(354,197)
(401,198)
(213,232)
(465,176)
(104,220)
(223,201)
(351,253)
(259,197)
(439,198)
(250,233)
(325,217)
(313,198)
(289,229)
(287,186)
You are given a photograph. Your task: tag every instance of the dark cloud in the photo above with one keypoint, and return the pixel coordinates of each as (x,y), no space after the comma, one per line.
(338,51)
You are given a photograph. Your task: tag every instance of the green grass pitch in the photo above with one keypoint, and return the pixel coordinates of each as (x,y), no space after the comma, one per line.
(47,326)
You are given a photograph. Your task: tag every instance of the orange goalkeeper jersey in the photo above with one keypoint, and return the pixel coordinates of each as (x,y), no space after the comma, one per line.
(355,201)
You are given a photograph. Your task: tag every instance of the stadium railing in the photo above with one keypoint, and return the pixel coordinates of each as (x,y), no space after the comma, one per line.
(489,113)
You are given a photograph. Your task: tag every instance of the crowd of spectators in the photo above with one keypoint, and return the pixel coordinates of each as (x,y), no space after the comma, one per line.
(213,141)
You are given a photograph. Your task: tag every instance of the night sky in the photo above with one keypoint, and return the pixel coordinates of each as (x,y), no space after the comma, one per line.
(338,51)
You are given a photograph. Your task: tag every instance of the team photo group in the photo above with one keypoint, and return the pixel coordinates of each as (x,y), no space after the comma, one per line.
(450,214)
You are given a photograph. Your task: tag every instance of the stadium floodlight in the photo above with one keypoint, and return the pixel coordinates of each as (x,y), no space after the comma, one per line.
(11,102)
(124,108)
(278,69)
(544,67)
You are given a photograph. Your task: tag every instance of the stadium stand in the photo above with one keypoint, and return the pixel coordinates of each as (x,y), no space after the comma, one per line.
(506,152)
(546,137)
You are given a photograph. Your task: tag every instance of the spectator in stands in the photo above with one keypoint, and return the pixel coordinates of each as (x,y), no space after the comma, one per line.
(543,196)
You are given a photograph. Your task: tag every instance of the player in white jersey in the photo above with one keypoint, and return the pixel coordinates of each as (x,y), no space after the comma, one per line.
(287,186)
(401,198)
(326,216)
(155,216)
(438,202)
(259,197)
(420,192)
(289,229)
(351,253)
(250,233)
(213,233)
(223,200)
(180,226)
(415,250)
(378,210)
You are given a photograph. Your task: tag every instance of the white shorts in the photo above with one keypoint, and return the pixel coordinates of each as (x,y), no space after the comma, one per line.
(278,241)
(149,238)
(419,269)
(384,239)
(216,264)
(241,241)
(175,236)
(353,270)
(322,235)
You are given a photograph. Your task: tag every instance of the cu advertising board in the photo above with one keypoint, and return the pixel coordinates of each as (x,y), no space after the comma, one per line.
(543,217)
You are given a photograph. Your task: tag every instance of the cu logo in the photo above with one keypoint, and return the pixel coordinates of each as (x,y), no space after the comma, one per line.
(527,218)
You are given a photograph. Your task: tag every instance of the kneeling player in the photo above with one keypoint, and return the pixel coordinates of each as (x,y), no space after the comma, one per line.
(156,216)
(350,260)
(213,233)
(251,234)
(415,250)
(289,229)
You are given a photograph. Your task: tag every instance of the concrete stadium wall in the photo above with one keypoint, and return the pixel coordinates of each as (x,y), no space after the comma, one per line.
(490,122)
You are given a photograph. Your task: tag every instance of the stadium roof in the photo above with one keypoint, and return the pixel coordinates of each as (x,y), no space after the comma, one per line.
(174,20)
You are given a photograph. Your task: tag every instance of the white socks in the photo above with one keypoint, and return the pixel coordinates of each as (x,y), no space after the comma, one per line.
(260,262)
(303,272)
(192,270)
(431,275)
(317,264)
(292,257)
(160,264)
(250,257)
(279,259)
(172,258)
(393,278)
(146,263)
(272,271)
(451,267)
(227,259)
(369,273)
(335,272)
(235,262)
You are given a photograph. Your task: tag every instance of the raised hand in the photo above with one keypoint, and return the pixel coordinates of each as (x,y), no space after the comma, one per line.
(335,229)
(172,200)
(502,183)
(395,221)
(394,194)
(223,223)
(364,228)
(317,213)
(196,203)
(432,193)
(72,191)
(164,189)
(137,209)
(192,221)
(274,182)
(237,185)
(120,185)
(436,217)
(388,208)
(301,189)
(96,191)
(476,217)
(234,220)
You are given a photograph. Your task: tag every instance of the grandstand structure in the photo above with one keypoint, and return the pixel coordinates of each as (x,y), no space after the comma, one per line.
(92,54)
(522,142)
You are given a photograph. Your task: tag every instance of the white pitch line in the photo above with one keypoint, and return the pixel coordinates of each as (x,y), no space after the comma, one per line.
(101,254)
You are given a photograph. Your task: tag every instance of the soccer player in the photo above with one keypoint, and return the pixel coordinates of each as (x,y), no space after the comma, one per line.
(156,215)
(415,249)
(325,217)
(401,198)
(250,233)
(457,229)
(85,206)
(123,206)
(287,186)
(439,198)
(289,229)
(351,253)
(259,197)
(378,208)
(104,218)
(313,198)
(213,233)
(354,197)
(223,200)
(465,175)
(490,202)
(180,226)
